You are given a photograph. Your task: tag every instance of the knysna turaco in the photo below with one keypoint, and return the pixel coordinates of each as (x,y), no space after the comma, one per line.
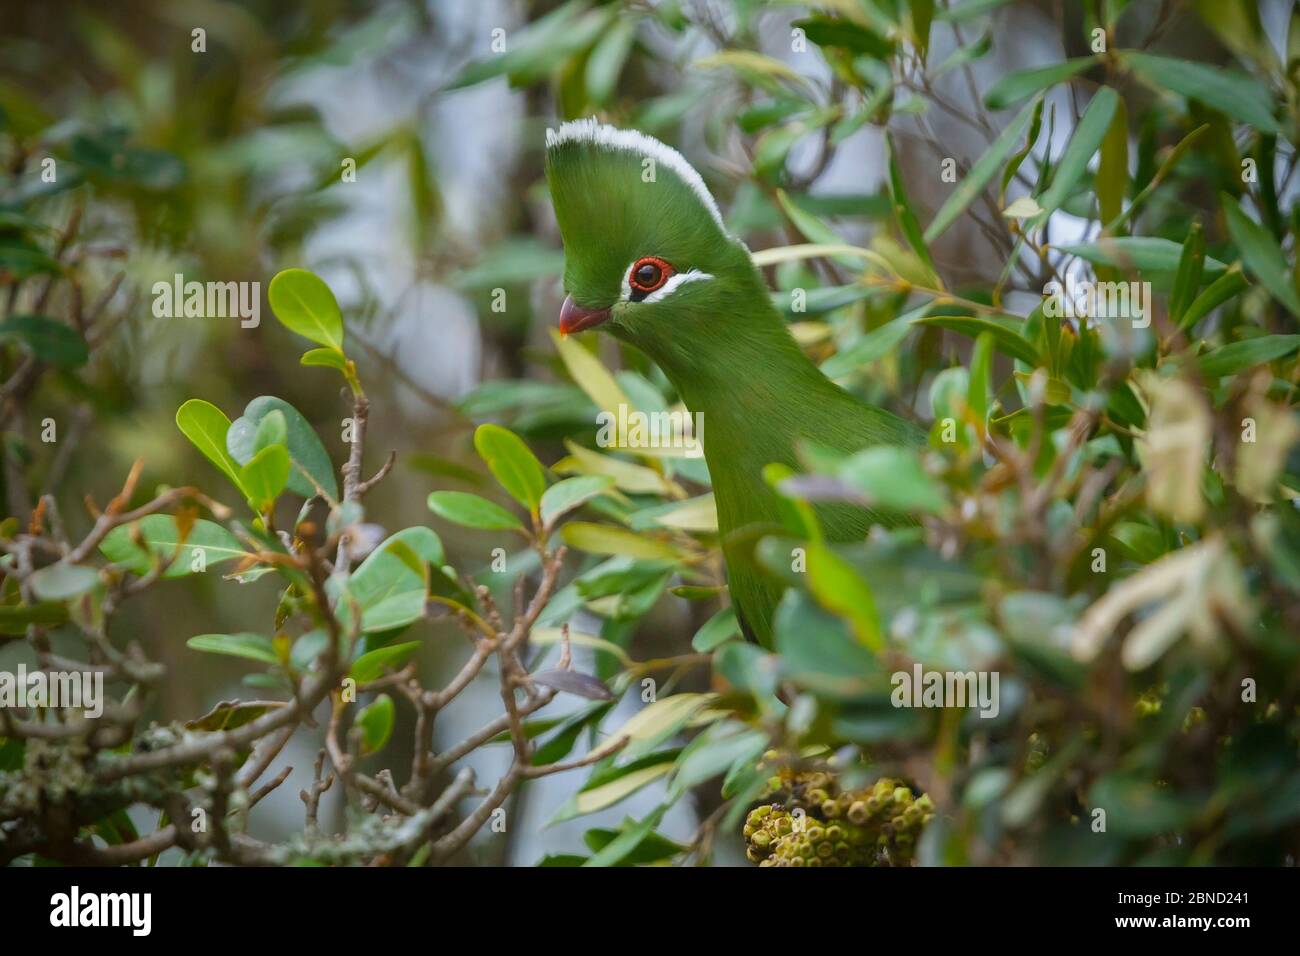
(648,259)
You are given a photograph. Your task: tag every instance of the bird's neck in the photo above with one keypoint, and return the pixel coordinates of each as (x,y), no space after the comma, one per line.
(758,396)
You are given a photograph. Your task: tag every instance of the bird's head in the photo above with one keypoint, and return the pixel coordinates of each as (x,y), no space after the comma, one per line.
(647,257)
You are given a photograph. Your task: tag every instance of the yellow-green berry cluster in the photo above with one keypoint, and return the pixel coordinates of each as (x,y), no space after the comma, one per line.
(818,824)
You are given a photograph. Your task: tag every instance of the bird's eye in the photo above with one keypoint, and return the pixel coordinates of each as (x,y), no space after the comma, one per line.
(647,275)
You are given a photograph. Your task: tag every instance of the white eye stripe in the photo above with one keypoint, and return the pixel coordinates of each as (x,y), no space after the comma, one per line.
(675,281)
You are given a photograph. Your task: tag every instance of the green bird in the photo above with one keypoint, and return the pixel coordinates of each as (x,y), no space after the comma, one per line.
(648,259)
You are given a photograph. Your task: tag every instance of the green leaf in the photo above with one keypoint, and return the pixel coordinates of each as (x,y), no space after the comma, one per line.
(816,231)
(207,540)
(327,358)
(610,785)
(983,170)
(1239,356)
(751,65)
(711,756)
(607,539)
(654,724)
(311,463)
(607,58)
(1234,94)
(265,475)
(1144,253)
(61,581)
(653,848)
(627,842)
(1014,164)
(1260,254)
(372,665)
(541,47)
(206,426)
(817,650)
(1187,280)
(472,511)
(514,261)
(981,379)
(1007,340)
(968,9)
(589,374)
(694,592)
(922,16)
(48,339)
(634,479)
(1019,84)
(716,631)
(14,619)
(1087,138)
(512,464)
(1228,285)
(376,723)
(892,478)
(564,496)
(839,588)
(230,714)
(273,430)
(911,229)
(304,304)
(244,644)
(393,612)
(21,259)
(396,567)
(1112,170)
(845,35)
(773,147)
(876,344)
(820,301)
(964,54)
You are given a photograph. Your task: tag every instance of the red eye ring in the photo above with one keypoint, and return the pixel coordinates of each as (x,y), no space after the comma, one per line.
(648,274)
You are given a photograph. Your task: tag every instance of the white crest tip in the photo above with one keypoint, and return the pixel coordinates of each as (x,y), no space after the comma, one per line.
(611,137)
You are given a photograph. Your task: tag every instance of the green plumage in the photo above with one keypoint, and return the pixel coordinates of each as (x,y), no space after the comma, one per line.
(719,340)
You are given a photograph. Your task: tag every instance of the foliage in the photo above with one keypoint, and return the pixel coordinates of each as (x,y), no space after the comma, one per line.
(1104,509)
(1106,501)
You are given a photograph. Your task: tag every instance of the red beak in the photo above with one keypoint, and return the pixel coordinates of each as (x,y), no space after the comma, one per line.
(574,318)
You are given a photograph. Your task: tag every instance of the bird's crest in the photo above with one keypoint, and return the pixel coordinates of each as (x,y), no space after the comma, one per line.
(594,134)
(621,195)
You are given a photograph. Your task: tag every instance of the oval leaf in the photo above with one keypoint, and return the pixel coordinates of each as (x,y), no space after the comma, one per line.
(312,467)
(48,339)
(265,475)
(472,511)
(61,581)
(512,464)
(372,664)
(251,646)
(206,426)
(571,493)
(376,723)
(207,544)
(304,304)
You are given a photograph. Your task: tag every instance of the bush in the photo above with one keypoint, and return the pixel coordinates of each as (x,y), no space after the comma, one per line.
(1103,554)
